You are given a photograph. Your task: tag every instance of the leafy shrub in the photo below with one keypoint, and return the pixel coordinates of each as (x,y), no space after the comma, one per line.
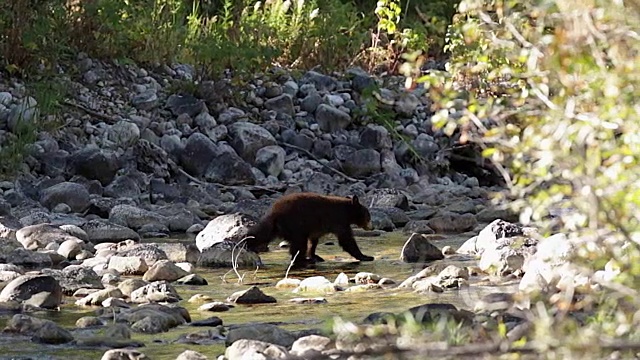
(549,91)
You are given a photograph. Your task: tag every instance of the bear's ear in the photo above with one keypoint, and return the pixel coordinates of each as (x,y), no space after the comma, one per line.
(354,200)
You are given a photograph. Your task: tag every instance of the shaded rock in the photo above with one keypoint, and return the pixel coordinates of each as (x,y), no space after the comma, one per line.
(185,104)
(270,160)
(449,222)
(247,138)
(133,217)
(37,290)
(230,169)
(417,226)
(282,104)
(27,258)
(74,195)
(198,153)
(94,164)
(101,231)
(418,249)
(252,295)
(331,119)
(9,225)
(362,163)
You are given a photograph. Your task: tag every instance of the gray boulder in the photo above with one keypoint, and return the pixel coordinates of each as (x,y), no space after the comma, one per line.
(37,290)
(331,119)
(230,227)
(72,194)
(247,138)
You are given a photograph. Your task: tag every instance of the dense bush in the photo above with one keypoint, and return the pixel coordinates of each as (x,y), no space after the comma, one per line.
(549,90)
(217,34)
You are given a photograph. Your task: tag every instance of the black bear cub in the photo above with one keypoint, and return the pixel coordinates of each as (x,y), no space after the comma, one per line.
(303,218)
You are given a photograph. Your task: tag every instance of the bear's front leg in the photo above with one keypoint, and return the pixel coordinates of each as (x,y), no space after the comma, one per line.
(348,244)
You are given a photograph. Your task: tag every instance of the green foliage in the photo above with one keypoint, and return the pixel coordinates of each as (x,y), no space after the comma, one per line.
(48,93)
(549,91)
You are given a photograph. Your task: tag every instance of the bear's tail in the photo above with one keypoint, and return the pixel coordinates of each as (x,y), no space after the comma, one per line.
(261,234)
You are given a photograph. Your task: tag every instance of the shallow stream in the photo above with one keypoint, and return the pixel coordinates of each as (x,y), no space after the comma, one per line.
(347,305)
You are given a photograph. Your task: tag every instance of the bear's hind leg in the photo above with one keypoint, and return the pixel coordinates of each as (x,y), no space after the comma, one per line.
(348,244)
(312,244)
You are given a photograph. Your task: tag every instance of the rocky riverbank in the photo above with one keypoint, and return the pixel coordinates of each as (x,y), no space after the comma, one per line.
(138,154)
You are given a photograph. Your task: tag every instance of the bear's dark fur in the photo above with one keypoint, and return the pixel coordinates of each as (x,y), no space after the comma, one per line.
(303,218)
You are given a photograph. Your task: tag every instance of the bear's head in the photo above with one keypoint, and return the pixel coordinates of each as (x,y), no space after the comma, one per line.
(360,214)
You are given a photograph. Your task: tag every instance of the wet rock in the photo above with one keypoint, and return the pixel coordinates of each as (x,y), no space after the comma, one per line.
(215,306)
(193,279)
(164,270)
(98,297)
(252,295)
(310,346)
(225,254)
(101,231)
(191,355)
(261,332)
(129,285)
(316,300)
(230,227)
(124,354)
(381,220)
(51,333)
(418,249)
(315,284)
(254,349)
(366,278)
(179,252)
(37,290)
(159,291)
